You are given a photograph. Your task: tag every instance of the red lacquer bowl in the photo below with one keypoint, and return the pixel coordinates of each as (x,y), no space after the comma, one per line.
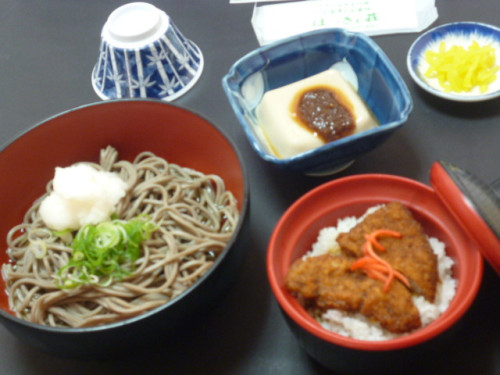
(298,229)
(131,126)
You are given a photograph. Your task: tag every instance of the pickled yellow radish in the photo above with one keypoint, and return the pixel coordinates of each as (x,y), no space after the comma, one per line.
(461,69)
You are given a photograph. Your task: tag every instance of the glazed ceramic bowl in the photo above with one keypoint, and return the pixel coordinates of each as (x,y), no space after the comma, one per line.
(131,126)
(298,229)
(144,55)
(292,59)
(461,34)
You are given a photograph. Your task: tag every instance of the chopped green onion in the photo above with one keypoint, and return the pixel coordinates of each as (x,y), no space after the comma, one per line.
(65,235)
(38,248)
(105,252)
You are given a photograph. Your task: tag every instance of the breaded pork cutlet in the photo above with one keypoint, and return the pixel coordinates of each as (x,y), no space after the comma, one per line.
(411,254)
(326,282)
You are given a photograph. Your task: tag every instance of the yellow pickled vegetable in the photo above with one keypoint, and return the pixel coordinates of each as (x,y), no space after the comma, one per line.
(462,69)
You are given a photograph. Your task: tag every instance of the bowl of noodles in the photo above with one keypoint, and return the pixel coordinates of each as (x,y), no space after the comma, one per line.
(372,272)
(131,225)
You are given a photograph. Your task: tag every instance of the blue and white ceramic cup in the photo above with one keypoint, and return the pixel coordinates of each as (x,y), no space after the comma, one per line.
(143,55)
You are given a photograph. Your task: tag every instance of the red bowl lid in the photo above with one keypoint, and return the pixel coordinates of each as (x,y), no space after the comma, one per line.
(474,204)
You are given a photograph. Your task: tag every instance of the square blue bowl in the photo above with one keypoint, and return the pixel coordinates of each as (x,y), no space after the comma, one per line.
(304,55)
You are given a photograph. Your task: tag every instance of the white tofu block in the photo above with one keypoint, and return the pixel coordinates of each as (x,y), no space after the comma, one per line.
(281,131)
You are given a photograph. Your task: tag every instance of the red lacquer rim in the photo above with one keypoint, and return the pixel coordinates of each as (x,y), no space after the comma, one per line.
(298,227)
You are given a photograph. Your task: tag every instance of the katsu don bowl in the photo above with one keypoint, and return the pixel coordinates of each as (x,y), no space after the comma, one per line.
(143,273)
(351,261)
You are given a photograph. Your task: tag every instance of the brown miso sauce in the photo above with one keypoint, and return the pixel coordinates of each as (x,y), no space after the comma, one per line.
(325,112)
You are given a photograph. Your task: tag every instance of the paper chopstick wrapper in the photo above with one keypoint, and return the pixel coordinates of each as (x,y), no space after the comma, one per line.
(253,1)
(272,22)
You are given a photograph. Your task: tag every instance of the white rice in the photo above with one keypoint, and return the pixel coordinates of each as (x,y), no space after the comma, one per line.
(356,325)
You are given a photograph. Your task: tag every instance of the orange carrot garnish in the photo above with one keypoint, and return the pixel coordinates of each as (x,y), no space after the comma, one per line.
(377,275)
(372,237)
(373,265)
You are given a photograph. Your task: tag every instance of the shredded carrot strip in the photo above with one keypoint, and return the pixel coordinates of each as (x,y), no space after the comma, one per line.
(377,275)
(364,262)
(402,278)
(372,237)
(373,265)
(388,268)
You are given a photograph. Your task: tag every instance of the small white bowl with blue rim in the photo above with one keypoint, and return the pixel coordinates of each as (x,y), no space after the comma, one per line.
(456,33)
(144,55)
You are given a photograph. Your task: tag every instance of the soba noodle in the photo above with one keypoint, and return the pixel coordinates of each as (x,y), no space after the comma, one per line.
(196,218)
